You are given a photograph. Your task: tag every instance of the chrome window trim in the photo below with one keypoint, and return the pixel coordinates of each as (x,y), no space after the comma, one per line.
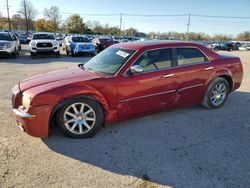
(125,61)
(197,62)
(168,68)
(145,96)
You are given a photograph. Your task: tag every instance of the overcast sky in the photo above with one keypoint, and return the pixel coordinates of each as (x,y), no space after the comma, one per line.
(210,25)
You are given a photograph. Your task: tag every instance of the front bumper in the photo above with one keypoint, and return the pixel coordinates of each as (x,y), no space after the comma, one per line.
(52,50)
(35,121)
(6,52)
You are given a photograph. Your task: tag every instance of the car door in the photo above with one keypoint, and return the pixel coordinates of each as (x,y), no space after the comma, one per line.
(193,70)
(151,90)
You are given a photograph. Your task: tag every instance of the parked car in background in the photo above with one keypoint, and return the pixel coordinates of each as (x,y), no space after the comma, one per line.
(76,45)
(124,81)
(102,43)
(16,38)
(23,38)
(244,47)
(44,43)
(9,45)
(222,46)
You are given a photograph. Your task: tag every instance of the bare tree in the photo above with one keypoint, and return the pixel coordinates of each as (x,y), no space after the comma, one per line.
(28,12)
(53,14)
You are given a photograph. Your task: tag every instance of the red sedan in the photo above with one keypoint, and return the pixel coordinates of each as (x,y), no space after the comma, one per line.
(124,81)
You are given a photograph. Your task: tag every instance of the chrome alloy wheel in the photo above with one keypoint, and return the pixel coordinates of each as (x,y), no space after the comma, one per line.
(219,93)
(79,118)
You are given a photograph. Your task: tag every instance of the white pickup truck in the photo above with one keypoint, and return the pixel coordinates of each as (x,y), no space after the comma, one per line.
(44,43)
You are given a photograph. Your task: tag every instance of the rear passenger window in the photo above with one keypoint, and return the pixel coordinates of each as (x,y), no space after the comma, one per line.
(187,56)
(155,60)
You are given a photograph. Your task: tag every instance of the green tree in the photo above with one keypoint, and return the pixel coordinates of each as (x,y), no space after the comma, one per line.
(53,14)
(75,24)
(244,36)
(45,25)
(27,12)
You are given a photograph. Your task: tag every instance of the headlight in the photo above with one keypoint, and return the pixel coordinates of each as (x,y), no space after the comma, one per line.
(33,43)
(7,45)
(55,43)
(26,102)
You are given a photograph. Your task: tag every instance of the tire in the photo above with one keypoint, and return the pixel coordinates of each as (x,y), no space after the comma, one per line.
(67,51)
(32,55)
(58,54)
(216,94)
(14,54)
(78,126)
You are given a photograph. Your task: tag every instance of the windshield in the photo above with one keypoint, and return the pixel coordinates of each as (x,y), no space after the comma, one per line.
(43,36)
(109,61)
(80,39)
(104,40)
(5,36)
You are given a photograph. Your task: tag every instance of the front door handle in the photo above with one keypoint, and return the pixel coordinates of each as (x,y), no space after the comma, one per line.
(168,75)
(208,68)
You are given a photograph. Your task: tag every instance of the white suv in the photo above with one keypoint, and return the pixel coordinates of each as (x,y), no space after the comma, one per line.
(44,43)
(8,44)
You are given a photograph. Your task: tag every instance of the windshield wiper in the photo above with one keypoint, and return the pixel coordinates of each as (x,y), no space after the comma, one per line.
(81,66)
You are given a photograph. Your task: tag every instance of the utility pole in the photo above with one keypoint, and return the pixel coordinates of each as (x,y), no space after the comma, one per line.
(7,2)
(120,25)
(188,25)
(26,17)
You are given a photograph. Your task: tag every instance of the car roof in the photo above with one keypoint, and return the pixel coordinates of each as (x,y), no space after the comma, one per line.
(138,45)
(4,32)
(43,33)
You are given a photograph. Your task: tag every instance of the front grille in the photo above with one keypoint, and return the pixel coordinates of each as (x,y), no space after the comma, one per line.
(2,44)
(44,45)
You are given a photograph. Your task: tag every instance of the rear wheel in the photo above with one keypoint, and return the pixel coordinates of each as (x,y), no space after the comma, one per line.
(80,118)
(32,55)
(216,94)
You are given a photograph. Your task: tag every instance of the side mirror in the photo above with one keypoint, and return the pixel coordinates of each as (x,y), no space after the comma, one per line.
(136,69)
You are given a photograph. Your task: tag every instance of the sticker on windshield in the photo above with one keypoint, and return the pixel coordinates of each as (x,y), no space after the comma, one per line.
(122,54)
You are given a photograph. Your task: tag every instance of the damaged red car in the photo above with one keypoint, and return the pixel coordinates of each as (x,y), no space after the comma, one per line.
(124,81)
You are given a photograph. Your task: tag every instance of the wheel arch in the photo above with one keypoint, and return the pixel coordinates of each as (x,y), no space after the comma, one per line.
(227,75)
(229,80)
(62,102)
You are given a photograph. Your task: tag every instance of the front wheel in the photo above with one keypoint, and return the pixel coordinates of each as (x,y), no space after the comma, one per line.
(216,94)
(80,118)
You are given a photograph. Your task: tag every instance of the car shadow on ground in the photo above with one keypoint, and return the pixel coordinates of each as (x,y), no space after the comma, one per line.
(186,147)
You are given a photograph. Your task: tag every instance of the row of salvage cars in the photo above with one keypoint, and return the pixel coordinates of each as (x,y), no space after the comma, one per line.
(44,43)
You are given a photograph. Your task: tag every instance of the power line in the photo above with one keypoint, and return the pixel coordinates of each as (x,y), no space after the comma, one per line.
(156,15)
(227,17)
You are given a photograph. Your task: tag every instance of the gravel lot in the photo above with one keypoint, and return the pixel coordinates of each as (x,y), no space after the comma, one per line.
(187,147)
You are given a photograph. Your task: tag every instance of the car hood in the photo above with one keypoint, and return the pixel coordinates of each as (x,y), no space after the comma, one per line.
(58,77)
(43,40)
(83,43)
(4,41)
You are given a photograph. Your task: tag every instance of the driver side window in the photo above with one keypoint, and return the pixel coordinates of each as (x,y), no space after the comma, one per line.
(155,60)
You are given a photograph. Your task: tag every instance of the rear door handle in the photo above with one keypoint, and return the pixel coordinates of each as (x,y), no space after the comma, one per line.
(168,75)
(208,68)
